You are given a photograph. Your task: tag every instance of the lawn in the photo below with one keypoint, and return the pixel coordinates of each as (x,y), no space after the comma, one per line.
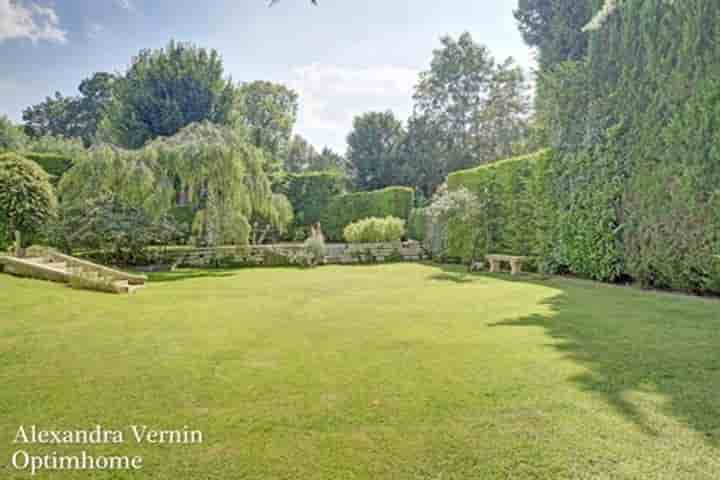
(393,372)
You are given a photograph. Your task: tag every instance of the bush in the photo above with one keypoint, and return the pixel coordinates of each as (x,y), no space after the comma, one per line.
(27,200)
(346,209)
(374,230)
(121,232)
(54,164)
(310,194)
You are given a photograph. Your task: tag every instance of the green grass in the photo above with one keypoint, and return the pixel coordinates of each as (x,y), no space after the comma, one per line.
(392,372)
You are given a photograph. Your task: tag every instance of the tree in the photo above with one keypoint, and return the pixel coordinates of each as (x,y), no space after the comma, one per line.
(373,150)
(27,200)
(424,163)
(301,155)
(72,117)
(268,112)
(327,160)
(555,28)
(275,220)
(165,90)
(12,138)
(476,108)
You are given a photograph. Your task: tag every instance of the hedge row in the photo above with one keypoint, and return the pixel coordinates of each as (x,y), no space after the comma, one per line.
(55,165)
(516,208)
(310,194)
(669,237)
(346,209)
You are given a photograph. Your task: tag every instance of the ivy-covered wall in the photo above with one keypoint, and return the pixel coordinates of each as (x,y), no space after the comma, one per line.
(346,209)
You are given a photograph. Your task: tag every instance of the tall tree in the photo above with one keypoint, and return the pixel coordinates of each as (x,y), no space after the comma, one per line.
(72,117)
(165,90)
(300,155)
(555,28)
(268,112)
(476,107)
(327,160)
(373,150)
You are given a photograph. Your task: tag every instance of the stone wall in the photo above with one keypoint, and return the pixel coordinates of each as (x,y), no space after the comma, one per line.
(287,255)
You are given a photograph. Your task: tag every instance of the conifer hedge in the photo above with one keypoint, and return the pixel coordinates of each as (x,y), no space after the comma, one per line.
(346,209)
(517,209)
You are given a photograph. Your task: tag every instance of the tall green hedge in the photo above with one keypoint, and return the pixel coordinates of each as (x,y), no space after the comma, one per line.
(310,194)
(517,207)
(346,209)
(55,165)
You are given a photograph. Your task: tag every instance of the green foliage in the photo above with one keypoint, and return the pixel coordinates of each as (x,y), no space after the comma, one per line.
(72,117)
(27,200)
(55,165)
(346,209)
(212,167)
(555,27)
(165,90)
(12,138)
(417,228)
(310,194)
(120,230)
(374,230)
(268,111)
(635,127)
(514,205)
(476,107)
(373,150)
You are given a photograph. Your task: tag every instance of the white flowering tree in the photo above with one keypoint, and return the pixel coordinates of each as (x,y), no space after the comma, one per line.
(459,206)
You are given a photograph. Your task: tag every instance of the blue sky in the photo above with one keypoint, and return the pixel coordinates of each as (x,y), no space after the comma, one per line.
(344,57)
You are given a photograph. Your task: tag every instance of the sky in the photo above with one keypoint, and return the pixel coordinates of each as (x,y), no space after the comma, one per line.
(343,57)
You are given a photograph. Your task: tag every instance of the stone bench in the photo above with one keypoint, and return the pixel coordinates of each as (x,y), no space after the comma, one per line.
(515,262)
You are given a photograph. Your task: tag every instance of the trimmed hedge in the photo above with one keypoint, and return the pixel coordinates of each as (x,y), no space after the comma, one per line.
(310,194)
(55,165)
(346,209)
(517,207)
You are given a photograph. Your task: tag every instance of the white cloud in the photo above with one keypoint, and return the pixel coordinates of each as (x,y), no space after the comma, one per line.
(28,20)
(332,95)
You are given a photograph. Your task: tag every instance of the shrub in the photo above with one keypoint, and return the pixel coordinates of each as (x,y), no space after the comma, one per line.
(122,232)
(374,230)
(27,200)
(346,209)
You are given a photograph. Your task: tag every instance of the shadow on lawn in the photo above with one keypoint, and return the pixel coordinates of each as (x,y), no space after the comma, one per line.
(179,275)
(631,341)
(640,342)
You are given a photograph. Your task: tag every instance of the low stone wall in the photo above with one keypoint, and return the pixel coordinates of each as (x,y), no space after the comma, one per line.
(287,255)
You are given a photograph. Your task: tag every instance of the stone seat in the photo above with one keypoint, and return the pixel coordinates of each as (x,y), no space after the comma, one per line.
(516,262)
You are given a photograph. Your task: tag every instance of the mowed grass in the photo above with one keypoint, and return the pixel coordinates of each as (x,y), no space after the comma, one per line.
(378,372)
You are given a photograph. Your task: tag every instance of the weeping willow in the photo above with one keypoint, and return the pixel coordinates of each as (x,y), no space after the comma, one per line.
(212,168)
